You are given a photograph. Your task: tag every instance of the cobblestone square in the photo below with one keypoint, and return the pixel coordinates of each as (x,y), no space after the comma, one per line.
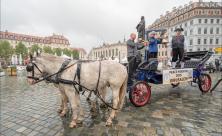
(181,111)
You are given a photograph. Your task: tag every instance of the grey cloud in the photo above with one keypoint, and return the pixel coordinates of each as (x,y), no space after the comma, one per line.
(86,23)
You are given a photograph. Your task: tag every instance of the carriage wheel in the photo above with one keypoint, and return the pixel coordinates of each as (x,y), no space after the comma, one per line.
(204,83)
(140,94)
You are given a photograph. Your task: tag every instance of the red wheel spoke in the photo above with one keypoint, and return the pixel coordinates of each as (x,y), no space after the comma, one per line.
(140,94)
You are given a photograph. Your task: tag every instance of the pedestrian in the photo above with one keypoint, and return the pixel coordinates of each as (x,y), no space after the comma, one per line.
(141,28)
(152,49)
(132,50)
(177,45)
(217,64)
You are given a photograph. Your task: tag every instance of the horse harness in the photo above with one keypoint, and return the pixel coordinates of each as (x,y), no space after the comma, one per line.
(56,77)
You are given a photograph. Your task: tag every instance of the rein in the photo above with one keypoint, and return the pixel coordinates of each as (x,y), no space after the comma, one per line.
(37,80)
(64,81)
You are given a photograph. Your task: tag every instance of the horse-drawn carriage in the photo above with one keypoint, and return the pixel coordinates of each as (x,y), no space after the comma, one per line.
(147,72)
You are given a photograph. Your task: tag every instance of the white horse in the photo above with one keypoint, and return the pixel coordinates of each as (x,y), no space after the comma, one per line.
(112,74)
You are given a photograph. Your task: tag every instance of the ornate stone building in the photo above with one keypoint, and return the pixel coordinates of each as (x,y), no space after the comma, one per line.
(201,22)
(54,41)
(116,51)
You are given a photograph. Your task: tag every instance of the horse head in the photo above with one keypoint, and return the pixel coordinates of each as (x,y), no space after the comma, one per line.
(35,69)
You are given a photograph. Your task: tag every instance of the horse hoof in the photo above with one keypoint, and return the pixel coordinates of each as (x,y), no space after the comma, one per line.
(108,124)
(79,121)
(62,114)
(59,110)
(72,125)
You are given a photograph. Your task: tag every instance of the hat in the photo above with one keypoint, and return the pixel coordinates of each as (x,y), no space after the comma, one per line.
(178,29)
(153,32)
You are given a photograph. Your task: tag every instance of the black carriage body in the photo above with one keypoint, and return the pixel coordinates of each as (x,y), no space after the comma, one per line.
(147,73)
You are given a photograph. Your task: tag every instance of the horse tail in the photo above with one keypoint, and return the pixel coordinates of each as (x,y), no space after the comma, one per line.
(122,92)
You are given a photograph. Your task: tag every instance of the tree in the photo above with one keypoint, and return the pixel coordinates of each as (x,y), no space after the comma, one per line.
(35,48)
(6,50)
(67,52)
(75,54)
(58,51)
(21,49)
(48,50)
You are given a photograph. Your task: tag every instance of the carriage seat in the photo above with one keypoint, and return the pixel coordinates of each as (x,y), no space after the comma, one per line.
(192,63)
(150,65)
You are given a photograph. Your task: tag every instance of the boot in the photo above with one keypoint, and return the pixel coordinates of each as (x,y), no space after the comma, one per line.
(181,64)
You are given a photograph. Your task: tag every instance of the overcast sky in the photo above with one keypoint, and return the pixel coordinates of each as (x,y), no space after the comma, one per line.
(86,23)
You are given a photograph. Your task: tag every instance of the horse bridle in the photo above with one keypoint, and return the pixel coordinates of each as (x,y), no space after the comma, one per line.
(31,68)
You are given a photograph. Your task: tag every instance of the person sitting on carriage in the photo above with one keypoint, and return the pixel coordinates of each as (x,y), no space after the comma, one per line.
(132,50)
(152,49)
(177,45)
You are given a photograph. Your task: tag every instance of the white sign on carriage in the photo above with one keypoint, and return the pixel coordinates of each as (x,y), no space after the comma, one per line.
(177,75)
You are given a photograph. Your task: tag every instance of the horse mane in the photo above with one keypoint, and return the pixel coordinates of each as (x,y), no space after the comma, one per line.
(51,57)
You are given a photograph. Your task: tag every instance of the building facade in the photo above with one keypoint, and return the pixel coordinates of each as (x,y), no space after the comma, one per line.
(116,51)
(53,41)
(201,22)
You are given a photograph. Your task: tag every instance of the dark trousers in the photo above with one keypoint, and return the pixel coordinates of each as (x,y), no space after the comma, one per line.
(151,55)
(131,64)
(178,53)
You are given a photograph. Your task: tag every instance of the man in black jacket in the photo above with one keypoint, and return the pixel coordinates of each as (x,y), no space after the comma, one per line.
(132,51)
(178,48)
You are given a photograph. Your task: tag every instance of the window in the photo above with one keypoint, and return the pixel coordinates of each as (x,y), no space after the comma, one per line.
(109,53)
(205,41)
(199,30)
(217,30)
(205,21)
(218,21)
(198,41)
(198,49)
(211,30)
(199,21)
(217,41)
(190,50)
(211,41)
(162,53)
(185,24)
(112,52)
(191,41)
(191,31)
(106,53)
(204,49)
(191,22)
(210,49)
(212,21)
(205,30)
(165,53)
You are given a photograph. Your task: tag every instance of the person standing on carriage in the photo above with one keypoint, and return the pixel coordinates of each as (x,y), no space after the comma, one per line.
(132,50)
(177,45)
(141,28)
(152,49)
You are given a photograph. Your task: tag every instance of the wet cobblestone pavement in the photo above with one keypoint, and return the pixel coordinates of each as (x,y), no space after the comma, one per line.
(182,111)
